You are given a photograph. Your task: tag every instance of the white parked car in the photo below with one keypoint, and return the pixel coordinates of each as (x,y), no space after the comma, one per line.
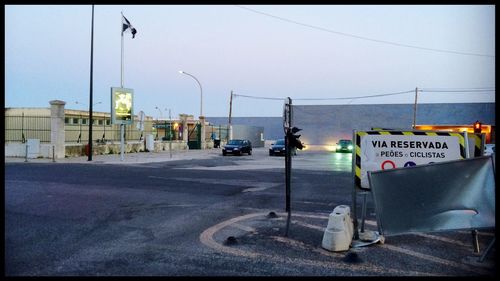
(489,149)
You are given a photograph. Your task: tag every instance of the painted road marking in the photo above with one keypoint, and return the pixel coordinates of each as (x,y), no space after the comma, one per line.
(480,233)
(206,237)
(252,185)
(430,236)
(444,239)
(253,189)
(235,167)
(436,259)
(308,225)
(429,257)
(245,228)
(341,255)
(304,246)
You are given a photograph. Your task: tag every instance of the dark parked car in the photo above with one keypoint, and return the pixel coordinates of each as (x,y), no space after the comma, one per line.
(344,146)
(237,147)
(277,148)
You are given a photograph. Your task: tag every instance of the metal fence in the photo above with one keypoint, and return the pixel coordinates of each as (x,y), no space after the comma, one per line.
(216,132)
(103,131)
(23,127)
(20,128)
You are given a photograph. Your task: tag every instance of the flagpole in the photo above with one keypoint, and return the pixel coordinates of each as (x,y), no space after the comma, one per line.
(122,126)
(121,66)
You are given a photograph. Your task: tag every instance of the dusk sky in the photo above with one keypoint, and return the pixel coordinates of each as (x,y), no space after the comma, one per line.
(277,51)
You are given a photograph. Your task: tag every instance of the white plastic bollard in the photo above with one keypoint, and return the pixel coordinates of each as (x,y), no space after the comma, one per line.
(339,231)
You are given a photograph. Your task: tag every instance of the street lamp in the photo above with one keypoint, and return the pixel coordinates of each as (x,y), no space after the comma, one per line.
(161,113)
(170,127)
(201,90)
(158,121)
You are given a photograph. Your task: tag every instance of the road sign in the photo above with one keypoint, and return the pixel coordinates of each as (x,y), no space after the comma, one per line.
(286,115)
(383,150)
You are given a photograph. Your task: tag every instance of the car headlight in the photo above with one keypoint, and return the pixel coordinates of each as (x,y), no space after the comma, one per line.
(349,147)
(235,148)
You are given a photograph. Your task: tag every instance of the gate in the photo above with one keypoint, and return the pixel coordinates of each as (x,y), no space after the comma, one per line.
(194,137)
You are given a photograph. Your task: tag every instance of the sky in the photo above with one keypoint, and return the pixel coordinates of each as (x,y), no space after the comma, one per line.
(314,54)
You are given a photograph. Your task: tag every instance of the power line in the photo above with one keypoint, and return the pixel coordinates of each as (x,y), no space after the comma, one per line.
(360,97)
(430,90)
(457,91)
(339,98)
(256,97)
(477,88)
(365,38)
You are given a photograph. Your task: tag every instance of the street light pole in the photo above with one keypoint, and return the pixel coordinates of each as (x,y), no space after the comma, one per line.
(161,113)
(201,90)
(158,121)
(166,123)
(91,84)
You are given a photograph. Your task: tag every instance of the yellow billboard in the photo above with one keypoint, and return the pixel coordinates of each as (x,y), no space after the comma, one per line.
(122,105)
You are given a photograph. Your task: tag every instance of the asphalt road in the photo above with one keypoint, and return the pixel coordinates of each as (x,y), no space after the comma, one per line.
(206,217)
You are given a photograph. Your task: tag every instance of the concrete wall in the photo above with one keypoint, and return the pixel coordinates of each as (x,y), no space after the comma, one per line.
(19,150)
(326,124)
(273,126)
(74,150)
(252,133)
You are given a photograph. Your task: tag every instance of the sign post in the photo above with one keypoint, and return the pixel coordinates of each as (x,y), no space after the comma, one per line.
(287,124)
(122,111)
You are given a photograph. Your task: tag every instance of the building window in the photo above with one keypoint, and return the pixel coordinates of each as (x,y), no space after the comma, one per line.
(66,120)
(108,122)
(74,120)
(85,121)
(101,122)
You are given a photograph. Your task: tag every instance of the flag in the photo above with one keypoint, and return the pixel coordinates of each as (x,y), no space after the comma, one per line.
(126,25)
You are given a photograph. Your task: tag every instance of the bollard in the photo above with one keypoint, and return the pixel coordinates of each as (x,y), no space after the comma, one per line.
(339,231)
(26,156)
(53,153)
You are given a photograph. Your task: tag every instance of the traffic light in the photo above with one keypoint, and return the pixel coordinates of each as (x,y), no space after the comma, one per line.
(294,139)
(477,127)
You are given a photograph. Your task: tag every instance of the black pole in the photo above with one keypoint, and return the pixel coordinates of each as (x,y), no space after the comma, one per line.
(91,86)
(288,156)
(288,166)
(287,171)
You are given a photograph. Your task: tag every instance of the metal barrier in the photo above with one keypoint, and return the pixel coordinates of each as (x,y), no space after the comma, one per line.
(19,128)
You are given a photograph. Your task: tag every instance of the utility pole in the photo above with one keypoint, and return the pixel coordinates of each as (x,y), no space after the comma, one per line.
(415,109)
(230,112)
